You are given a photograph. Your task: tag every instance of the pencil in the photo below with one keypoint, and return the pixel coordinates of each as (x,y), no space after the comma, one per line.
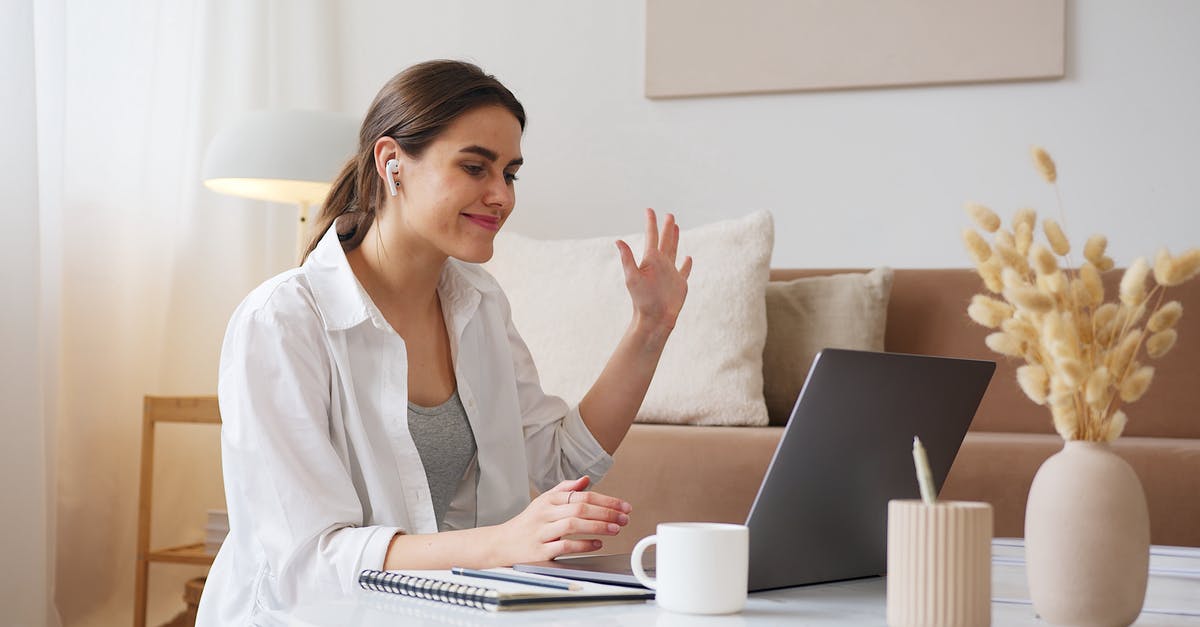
(924,477)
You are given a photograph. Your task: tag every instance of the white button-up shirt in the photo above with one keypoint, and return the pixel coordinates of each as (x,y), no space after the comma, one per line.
(320,469)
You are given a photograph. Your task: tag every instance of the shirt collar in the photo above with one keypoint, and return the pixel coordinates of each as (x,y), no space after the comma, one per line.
(344,303)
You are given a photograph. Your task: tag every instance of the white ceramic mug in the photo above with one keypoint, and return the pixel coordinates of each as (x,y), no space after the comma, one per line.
(701,567)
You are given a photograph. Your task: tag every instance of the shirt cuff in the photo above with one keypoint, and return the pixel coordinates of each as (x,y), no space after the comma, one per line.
(591,458)
(375,550)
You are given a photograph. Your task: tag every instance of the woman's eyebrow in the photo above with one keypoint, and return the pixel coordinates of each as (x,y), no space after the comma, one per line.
(490,155)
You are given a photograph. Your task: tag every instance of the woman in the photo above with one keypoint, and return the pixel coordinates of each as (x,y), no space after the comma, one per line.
(379,407)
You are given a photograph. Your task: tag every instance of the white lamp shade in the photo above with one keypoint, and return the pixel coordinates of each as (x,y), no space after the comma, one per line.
(280,156)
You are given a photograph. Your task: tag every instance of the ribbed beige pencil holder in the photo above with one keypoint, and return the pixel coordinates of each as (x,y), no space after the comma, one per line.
(939,560)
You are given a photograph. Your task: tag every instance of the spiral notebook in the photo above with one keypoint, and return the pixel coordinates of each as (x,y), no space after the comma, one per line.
(487,594)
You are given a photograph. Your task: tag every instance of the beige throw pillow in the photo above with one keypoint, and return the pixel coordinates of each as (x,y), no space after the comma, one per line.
(813,313)
(570,305)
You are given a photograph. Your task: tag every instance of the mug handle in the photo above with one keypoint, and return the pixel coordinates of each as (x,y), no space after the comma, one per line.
(635,562)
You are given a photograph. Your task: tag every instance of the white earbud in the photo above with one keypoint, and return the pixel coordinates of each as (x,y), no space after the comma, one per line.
(393,166)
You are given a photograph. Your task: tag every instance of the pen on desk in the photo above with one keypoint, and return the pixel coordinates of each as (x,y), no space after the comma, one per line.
(924,477)
(515,578)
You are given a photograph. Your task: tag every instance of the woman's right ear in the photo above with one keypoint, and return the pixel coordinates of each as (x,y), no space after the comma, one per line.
(387,153)
(392,168)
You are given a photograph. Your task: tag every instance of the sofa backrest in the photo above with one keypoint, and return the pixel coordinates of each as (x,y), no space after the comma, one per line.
(927,315)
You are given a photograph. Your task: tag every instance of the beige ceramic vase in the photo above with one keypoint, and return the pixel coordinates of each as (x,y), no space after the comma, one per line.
(1087,538)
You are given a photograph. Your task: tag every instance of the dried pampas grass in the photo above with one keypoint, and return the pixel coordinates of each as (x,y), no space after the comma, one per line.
(1034,382)
(1094,249)
(1097,391)
(1116,425)
(1029,298)
(1165,317)
(1186,267)
(1136,384)
(1093,288)
(1081,353)
(1133,283)
(1045,164)
(1043,260)
(984,217)
(1058,240)
(988,311)
(1023,237)
(990,273)
(1171,271)
(1120,357)
(1162,266)
(977,246)
(1182,268)
(1161,342)
(1004,344)
(1021,329)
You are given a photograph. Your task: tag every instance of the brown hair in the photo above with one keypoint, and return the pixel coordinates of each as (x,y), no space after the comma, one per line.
(414,108)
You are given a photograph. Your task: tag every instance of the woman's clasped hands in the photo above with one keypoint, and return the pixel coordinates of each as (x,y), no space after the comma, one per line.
(537,533)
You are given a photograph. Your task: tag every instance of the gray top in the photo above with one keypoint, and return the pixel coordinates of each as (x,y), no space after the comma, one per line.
(447,445)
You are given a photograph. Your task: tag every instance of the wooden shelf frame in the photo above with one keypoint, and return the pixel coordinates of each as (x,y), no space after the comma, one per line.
(158,409)
(182,554)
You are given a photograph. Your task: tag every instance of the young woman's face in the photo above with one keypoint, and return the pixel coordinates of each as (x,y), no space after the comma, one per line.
(459,193)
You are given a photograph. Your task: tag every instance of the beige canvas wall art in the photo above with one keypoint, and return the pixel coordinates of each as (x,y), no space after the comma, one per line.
(717,47)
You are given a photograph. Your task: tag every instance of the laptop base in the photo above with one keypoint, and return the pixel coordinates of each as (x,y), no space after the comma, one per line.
(611,569)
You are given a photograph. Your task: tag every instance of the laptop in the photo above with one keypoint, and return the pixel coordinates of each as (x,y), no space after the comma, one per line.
(821,512)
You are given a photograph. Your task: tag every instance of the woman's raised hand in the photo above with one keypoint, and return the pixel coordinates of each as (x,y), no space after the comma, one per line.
(536,534)
(655,285)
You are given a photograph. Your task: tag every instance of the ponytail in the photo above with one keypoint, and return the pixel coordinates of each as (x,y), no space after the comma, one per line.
(343,200)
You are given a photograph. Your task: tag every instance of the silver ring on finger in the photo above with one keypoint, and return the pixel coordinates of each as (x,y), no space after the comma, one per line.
(569,495)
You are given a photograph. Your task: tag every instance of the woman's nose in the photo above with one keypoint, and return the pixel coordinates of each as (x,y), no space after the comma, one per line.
(500,193)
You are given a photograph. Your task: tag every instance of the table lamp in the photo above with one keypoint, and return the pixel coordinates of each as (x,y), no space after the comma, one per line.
(281,156)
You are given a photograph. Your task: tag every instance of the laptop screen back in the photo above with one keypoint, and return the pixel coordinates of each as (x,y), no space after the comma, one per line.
(821,511)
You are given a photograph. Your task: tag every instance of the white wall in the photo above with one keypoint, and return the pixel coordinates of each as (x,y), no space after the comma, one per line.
(24,584)
(854,178)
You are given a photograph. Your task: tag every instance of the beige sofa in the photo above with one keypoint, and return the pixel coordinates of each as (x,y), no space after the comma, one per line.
(673,472)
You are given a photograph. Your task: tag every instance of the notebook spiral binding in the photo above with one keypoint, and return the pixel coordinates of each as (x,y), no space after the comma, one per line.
(428,589)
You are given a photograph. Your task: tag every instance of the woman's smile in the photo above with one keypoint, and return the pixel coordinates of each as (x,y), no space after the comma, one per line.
(483,221)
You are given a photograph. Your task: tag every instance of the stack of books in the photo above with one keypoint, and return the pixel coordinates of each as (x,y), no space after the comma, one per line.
(216,530)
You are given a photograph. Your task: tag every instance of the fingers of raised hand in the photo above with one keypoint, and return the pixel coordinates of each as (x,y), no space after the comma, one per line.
(670,238)
(628,263)
(686,269)
(651,233)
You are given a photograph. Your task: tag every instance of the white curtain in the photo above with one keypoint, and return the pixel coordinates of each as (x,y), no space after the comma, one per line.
(142,265)
(26,457)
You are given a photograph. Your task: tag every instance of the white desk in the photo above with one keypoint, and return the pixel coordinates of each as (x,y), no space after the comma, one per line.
(1173,592)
